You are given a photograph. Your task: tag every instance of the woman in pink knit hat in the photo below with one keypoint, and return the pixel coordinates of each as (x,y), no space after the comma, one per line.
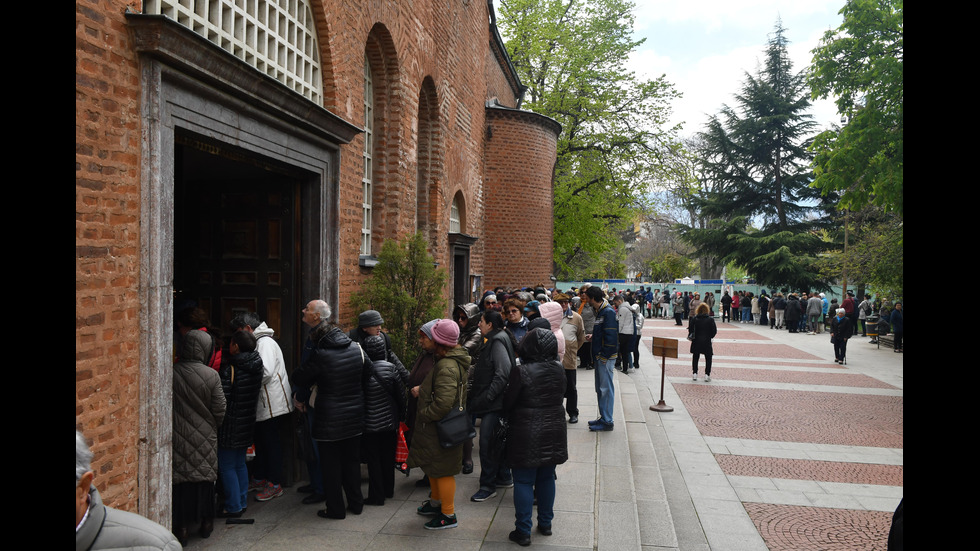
(442,389)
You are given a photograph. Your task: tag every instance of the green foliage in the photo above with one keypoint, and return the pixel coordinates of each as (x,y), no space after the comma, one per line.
(668,266)
(755,155)
(861,65)
(875,253)
(406,288)
(571,54)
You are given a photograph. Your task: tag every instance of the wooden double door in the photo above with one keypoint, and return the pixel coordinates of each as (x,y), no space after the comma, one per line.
(237,242)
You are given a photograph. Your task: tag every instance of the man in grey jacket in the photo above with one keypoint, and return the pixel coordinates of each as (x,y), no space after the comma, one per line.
(814,313)
(101,527)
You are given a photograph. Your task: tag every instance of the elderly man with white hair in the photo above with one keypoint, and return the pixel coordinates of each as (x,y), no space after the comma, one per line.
(101,527)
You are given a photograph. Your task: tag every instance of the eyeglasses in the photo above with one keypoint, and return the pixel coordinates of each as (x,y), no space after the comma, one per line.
(513,311)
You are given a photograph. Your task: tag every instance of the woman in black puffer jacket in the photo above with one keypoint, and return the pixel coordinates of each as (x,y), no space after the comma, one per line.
(537,440)
(241,380)
(384,408)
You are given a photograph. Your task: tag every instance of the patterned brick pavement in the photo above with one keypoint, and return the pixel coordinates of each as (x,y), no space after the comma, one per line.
(793,528)
(794,416)
(803,469)
(838,418)
(788,375)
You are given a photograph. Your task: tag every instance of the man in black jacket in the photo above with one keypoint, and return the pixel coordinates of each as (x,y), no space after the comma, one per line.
(339,369)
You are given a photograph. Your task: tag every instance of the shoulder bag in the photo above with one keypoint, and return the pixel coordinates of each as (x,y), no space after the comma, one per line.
(456,427)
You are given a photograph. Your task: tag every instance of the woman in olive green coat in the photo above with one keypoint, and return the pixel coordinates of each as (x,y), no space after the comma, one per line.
(443,388)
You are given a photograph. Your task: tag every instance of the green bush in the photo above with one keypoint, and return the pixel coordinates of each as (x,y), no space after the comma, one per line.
(407,290)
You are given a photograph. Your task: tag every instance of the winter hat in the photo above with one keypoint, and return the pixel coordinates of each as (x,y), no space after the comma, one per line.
(445,332)
(532,306)
(426,328)
(369,318)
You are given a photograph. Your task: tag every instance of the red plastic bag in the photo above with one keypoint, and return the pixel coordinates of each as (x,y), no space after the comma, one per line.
(401,450)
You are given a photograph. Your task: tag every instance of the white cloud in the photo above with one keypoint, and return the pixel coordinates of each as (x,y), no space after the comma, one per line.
(705,47)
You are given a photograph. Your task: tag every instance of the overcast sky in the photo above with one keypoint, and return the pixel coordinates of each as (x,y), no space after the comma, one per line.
(705,47)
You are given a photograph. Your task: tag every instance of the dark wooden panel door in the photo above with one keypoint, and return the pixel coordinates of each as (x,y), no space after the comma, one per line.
(236,252)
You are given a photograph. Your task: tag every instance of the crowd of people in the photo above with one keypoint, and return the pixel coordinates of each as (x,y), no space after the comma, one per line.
(509,362)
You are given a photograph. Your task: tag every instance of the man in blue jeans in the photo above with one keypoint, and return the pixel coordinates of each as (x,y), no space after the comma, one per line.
(605,345)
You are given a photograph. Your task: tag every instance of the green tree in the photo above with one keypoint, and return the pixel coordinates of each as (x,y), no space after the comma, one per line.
(571,54)
(407,289)
(875,257)
(763,214)
(861,65)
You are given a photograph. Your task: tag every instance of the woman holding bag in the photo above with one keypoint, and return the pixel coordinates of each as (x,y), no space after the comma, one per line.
(442,390)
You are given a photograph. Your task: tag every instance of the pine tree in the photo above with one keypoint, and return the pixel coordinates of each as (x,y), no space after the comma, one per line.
(764,214)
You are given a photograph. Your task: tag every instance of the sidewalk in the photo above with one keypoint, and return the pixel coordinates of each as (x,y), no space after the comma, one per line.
(775,452)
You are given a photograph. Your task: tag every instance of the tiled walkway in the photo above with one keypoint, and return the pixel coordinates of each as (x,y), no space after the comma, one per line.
(809,451)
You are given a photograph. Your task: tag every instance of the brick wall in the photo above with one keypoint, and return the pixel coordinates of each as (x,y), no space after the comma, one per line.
(518,195)
(107,148)
(444,44)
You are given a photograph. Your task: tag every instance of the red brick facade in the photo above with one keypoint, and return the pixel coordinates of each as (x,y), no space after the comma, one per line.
(107,233)
(436,66)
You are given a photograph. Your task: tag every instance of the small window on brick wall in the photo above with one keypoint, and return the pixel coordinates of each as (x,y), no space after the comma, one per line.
(367,179)
(455,215)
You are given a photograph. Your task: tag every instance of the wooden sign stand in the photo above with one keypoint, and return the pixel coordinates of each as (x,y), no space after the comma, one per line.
(665,348)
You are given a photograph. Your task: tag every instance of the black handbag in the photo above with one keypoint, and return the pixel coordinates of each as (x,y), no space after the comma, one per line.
(456,427)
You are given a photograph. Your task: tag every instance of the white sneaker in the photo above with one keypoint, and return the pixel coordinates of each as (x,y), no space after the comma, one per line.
(707,378)
(695,377)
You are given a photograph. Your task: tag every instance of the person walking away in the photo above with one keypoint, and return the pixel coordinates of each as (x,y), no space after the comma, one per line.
(537,438)
(703,329)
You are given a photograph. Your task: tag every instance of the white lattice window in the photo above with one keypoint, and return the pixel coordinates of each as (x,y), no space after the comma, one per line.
(367,179)
(454,216)
(277,38)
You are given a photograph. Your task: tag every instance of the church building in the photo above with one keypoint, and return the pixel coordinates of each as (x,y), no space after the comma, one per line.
(252,155)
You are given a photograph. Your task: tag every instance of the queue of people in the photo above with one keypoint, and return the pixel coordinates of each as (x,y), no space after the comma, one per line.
(509,362)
